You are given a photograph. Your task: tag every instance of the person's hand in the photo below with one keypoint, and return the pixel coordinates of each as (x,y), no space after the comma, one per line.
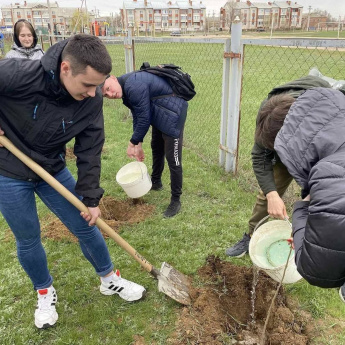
(136,151)
(275,206)
(94,213)
(1,133)
(307,198)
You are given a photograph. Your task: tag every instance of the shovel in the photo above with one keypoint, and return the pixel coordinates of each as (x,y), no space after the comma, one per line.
(170,281)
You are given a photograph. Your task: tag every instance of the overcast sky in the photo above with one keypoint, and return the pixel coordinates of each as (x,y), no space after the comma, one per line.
(105,7)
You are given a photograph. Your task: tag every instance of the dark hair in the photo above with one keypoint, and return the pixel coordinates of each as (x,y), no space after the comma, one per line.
(86,50)
(271,117)
(18,27)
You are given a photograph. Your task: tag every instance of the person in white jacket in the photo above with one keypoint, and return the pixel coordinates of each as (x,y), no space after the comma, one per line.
(25,42)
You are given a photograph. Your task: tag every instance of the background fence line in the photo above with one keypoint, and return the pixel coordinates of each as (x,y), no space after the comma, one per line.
(218,109)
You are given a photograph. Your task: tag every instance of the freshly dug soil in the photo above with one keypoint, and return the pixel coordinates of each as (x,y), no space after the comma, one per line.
(222,310)
(115,213)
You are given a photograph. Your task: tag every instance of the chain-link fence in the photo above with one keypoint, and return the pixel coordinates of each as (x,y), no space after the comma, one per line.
(264,64)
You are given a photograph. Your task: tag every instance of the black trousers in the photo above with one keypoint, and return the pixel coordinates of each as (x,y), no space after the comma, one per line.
(164,146)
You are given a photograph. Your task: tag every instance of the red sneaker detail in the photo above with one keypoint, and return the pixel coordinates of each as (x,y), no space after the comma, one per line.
(117,272)
(43,291)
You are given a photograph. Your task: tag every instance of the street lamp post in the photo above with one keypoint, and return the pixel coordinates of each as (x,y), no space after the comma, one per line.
(308,18)
(272,23)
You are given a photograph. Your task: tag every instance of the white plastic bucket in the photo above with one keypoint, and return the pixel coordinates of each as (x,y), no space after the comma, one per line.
(134,179)
(269,250)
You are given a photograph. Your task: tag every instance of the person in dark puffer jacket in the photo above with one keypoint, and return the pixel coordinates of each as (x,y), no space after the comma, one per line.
(272,176)
(152,102)
(310,143)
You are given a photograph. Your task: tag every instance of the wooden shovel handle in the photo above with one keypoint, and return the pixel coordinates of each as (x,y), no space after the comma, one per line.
(74,201)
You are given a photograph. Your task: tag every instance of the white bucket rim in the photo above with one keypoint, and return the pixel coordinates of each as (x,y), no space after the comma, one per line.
(132,183)
(261,229)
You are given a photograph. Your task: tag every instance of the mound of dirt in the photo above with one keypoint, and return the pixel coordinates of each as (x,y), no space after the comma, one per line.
(224,312)
(115,213)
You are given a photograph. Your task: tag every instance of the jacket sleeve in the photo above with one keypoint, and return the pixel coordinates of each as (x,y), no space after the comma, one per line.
(138,96)
(17,75)
(262,164)
(9,70)
(87,148)
(299,221)
(263,168)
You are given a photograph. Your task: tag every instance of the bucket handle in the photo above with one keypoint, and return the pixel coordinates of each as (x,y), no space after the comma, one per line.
(265,218)
(142,173)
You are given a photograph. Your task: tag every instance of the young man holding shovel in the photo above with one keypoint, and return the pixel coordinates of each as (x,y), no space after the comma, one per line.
(44,104)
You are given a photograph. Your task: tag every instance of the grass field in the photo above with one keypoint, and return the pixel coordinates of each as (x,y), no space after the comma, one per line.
(215,211)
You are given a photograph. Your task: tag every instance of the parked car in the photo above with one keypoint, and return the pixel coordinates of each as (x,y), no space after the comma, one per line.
(260,29)
(175,33)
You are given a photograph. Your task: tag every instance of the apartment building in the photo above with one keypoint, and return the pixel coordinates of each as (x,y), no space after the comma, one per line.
(260,15)
(38,15)
(147,15)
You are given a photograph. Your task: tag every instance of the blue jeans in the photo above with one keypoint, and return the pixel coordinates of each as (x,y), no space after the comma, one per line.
(18,206)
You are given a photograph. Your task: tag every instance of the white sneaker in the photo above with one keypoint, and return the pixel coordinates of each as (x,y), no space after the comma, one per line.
(126,289)
(45,314)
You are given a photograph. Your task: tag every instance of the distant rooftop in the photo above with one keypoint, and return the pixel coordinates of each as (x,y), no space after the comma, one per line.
(163,4)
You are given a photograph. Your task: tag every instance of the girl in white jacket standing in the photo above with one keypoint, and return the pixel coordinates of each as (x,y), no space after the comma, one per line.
(25,42)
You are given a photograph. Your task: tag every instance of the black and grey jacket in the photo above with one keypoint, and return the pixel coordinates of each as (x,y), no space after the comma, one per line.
(263,158)
(34,53)
(311,144)
(40,117)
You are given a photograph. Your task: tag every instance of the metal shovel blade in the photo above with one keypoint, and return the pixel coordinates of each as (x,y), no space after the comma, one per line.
(174,284)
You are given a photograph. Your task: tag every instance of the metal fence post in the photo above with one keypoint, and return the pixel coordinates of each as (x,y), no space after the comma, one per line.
(129,51)
(234,96)
(225,104)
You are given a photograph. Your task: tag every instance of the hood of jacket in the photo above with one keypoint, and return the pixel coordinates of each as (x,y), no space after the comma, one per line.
(16,39)
(302,84)
(313,129)
(51,64)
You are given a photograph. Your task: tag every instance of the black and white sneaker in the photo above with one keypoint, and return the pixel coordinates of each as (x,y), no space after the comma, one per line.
(45,314)
(240,248)
(126,289)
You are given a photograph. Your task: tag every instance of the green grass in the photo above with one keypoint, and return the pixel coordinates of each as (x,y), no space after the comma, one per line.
(215,210)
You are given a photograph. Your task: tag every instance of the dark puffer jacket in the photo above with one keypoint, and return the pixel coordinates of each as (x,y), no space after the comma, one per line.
(40,117)
(146,95)
(311,145)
